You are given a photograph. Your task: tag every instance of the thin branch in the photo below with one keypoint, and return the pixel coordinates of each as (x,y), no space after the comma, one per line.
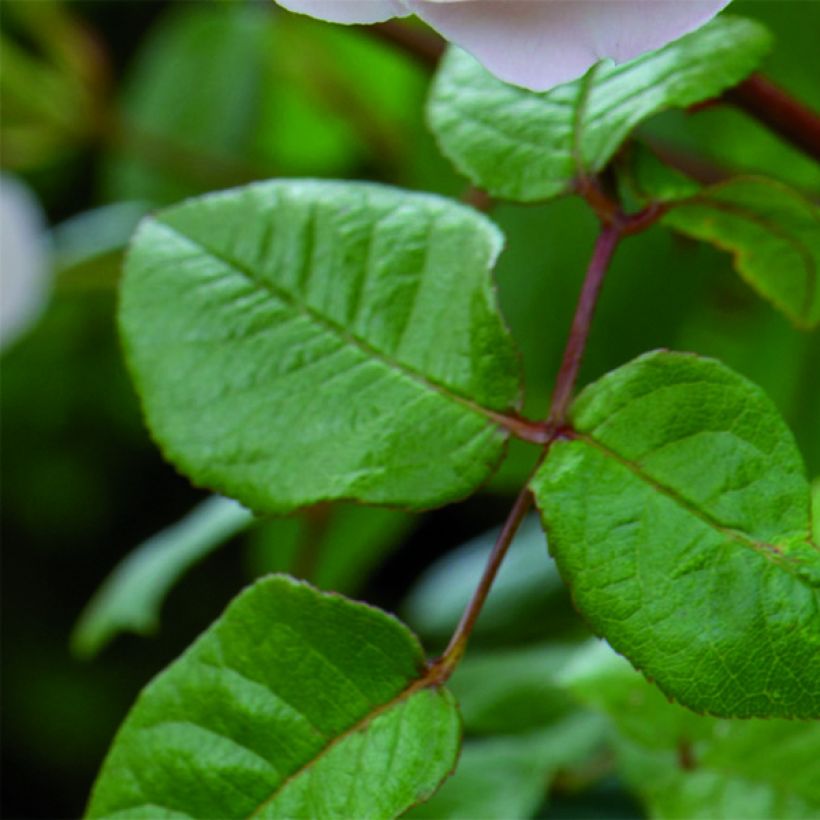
(441,669)
(573,354)
(315,523)
(421,44)
(611,233)
(778,111)
(478,198)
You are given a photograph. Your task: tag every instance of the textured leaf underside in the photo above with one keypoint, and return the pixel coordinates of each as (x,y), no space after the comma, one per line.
(294,703)
(294,342)
(528,146)
(680,516)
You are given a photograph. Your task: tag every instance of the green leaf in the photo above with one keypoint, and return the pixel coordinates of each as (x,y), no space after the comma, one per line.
(295,703)
(344,543)
(526,581)
(686,766)
(508,691)
(815,506)
(131,597)
(678,512)
(528,146)
(88,249)
(507,778)
(296,342)
(773,233)
(644,178)
(190,103)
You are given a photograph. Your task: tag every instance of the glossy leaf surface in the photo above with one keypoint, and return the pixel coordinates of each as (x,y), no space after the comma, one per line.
(772,231)
(679,514)
(295,342)
(295,703)
(527,146)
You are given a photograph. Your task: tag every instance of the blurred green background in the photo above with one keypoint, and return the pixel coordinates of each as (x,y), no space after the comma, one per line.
(112,108)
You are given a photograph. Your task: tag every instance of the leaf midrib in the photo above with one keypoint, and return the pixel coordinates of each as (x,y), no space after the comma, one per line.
(771,552)
(411,689)
(445,391)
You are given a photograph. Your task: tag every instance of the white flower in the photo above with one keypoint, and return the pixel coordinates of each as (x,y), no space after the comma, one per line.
(25,274)
(537,44)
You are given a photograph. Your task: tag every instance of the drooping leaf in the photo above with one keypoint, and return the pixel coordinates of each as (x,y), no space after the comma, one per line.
(130,598)
(88,249)
(679,514)
(507,778)
(526,582)
(773,233)
(688,766)
(295,342)
(295,703)
(528,146)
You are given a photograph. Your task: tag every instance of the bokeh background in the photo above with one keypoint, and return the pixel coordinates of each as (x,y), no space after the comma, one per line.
(113,108)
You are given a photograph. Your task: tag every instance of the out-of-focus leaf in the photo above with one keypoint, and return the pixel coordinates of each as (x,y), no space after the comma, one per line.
(338,97)
(294,703)
(50,85)
(131,597)
(508,691)
(507,778)
(189,105)
(298,342)
(88,249)
(643,177)
(773,233)
(679,514)
(726,136)
(337,546)
(526,581)
(25,277)
(687,766)
(530,146)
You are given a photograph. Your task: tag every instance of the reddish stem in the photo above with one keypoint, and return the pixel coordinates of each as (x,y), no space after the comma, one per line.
(779,112)
(573,354)
(441,669)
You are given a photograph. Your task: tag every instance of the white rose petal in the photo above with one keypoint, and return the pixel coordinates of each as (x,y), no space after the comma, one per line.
(537,44)
(348,11)
(25,272)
